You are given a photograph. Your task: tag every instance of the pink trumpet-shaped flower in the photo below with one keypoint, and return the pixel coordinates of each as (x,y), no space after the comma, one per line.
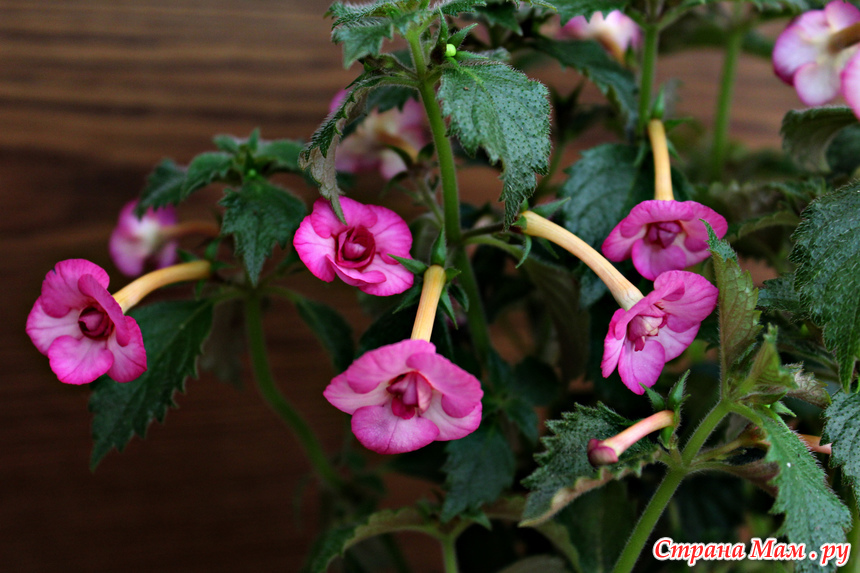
(663,236)
(137,242)
(404,396)
(368,148)
(616,32)
(657,329)
(811,54)
(81,327)
(358,251)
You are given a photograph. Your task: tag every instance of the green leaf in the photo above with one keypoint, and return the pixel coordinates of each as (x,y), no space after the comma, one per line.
(479,468)
(843,153)
(767,380)
(330,328)
(813,513)
(515,405)
(587,57)
(502,14)
(279,155)
(827,251)
(738,318)
(498,108)
(806,134)
(779,294)
(173,334)
(568,9)
(259,215)
(206,168)
(163,187)
(842,429)
(565,472)
(362,38)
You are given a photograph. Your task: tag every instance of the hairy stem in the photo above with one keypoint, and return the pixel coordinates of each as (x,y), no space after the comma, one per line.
(449,553)
(724,101)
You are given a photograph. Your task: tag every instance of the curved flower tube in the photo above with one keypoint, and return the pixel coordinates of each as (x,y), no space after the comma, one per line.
(605,452)
(616,31)
(358,251)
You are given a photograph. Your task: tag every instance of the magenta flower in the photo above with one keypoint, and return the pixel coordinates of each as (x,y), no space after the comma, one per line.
(81,327)
(812,52)
(358,251)
(136,243)
(851,83)
(616,32)
(657,329)
(404,396)
(663,236)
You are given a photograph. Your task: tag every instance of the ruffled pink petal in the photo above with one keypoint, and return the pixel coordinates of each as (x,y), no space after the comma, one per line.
(343,397)
(391,234)
(381,365)
(363,279)
(851,83)
(394,278)
(326,223)
(378,429)
(841,14)
(799,44)
(79,361)
(651,260)
(817,84)
(43,328)
(314,251)
(641,367)
(451,427)
(461,392)
(698,301)
(90,287)
(614,341)
(129,360)
(127,254)
(674,343)
(618,247)
(60,292)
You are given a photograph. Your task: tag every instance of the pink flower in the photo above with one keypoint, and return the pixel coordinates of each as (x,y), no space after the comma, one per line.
(851,83)
(404,396)
(368,147)
(135,242)
(616,32)
(358,252)
(81,327)
(812,52)
(657,328)
(663,236)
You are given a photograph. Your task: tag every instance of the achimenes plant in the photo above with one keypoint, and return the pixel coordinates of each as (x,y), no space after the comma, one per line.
(495,324)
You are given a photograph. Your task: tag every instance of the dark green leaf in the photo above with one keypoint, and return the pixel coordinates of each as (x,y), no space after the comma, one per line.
(843,154)
(330,328)
(536,381)
(173,334)
(223,352)
(515,405)
(587,57)
(767,380)
(479,468)
(206,168)
(842,429)
(258,216)
(362,38)
(352,12)
(827,253)
(779,294)
(499,109)
(279,155)
(228,143)
(565,472)
(806,134)
(163,187)
(568,9)
(502,14)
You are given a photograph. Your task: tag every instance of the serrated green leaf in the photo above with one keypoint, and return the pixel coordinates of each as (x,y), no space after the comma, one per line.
(206,168)
(767,380)
(502,14)
(806,134)
(779,294)
(588,58)
(827,278)
(362,38)
(163,187)
(279,155)
(228,143)
(568,9)
(258,216)
(349,13)
(565,472)
(814,515)
(479,468)
(842,429)
(497,108)
(843,153)
(330,328)
(514,404)
(738,318)
(173,335)
(775,219)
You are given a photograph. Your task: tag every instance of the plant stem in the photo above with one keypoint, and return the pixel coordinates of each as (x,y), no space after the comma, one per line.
(649,69)
(276,400)
(449,553)
(724,100)
(666,490)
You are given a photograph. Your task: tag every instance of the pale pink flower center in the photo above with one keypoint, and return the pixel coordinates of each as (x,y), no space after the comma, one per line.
(95,323)
(355,248)
(663,233)
(642,327)
(410,394)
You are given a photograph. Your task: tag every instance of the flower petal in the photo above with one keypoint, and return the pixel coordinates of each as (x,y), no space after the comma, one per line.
(43,328)
(461,391)
(129,360)
(314,251)
(90,287)
(60,292)
(383,364)
(817,84)
(379,278)
(452,427)
(674,343)
(698,301)
(390,233)
(378,429)
(79,361)
(343,397)
(851,83)
(641,367)
(799,44)
(651,260)
(841,14)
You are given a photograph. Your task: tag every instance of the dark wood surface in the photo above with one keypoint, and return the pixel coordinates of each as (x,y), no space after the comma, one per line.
(92,95)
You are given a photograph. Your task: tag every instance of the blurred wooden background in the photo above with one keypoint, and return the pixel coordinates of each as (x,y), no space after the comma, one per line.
(92,94)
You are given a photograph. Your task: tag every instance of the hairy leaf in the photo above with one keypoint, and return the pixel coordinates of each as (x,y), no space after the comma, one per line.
(330,328)
(779,294)
(206,168)
(362,38)
(843,153)
(568,9)
(279,155)
(806,134)
(842,429)
(163,187)
(565,472)
(827,253)
(173,334)
(259,215)
(499,109)
(767,380)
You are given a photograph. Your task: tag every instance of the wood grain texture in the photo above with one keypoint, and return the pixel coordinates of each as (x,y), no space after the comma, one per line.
(92,94)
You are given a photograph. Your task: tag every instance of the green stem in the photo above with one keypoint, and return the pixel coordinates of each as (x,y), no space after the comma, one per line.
(449,553)
(276,400)
(649,70)
(666,490)
(724,101)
